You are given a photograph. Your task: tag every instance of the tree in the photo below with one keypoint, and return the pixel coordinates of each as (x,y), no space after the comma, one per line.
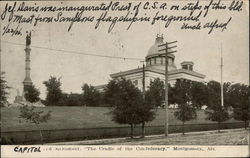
(215,111)
(183,97)
(155,94)
(226,92)
(3,90)
(146,111)
(74,99)
(54,92)
(103,101)
(36,117)
(64,99)
(32,94)
(238,99)
(127,103)
(198,94)
(111,93)
(91,97)
(154,97)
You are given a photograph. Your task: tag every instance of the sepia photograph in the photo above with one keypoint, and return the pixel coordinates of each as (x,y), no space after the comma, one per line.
(124,76)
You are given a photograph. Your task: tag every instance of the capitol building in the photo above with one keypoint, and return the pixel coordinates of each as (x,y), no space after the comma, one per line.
(155,68)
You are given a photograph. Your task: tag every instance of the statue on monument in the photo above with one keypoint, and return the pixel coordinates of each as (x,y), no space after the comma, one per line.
(28,39)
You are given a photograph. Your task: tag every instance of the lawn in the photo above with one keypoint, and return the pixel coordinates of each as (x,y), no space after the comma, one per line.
(81,117)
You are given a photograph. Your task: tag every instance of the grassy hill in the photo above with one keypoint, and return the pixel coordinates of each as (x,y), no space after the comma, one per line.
(82,117)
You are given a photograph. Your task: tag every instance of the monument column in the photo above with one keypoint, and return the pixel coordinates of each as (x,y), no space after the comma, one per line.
(27,80)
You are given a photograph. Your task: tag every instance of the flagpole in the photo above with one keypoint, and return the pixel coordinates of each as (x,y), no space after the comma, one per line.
(221,75)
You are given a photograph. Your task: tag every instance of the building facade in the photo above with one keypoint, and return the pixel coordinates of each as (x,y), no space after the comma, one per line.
(155,68)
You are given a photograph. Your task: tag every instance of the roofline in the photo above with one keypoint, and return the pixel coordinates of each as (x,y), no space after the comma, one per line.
(159,54)
(133,71)
(128,72)
(189,72)
(187,62)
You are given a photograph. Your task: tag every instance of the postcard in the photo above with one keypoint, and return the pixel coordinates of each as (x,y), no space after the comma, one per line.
(125,78)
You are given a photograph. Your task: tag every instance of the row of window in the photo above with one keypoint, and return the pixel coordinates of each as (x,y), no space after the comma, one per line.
(187,67)
(135,82)
(158,60)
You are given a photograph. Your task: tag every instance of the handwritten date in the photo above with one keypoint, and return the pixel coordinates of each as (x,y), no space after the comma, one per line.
(13,31)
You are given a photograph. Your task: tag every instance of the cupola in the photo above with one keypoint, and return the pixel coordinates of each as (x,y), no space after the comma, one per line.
(187,65)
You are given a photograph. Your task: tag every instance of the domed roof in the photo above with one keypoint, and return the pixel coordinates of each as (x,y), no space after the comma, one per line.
(154,49)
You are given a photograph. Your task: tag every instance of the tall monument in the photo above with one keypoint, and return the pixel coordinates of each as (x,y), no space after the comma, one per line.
(27,81)
(20,100)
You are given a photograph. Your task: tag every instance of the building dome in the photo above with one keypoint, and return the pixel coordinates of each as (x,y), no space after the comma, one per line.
(154,49)
(156,58)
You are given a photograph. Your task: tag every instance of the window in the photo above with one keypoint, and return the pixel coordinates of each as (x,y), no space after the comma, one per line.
(148,62)
(184,67)
(158,60)
(191,67)
(169,61)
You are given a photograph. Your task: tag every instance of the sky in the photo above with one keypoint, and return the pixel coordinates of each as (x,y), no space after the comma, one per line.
(197,46)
